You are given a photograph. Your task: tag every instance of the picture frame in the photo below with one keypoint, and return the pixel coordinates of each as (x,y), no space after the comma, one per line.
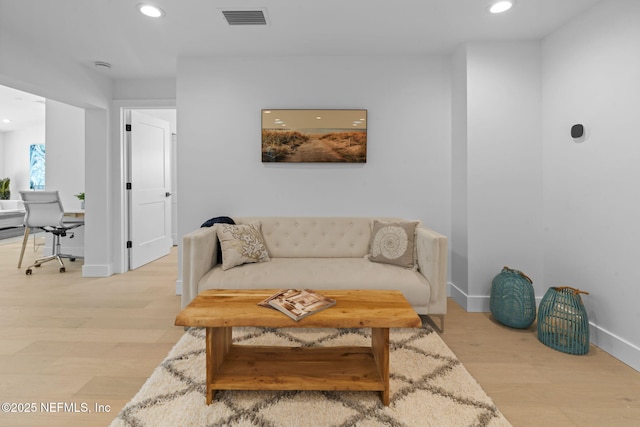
(314,135)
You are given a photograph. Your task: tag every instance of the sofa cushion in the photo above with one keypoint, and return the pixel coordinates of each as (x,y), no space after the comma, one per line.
(393,243)
(320,273)
(318,237)
(241,244)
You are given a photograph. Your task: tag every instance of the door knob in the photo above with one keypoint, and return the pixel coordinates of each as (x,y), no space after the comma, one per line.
(167,194)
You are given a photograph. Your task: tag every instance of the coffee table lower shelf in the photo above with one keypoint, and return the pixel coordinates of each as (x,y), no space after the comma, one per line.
(244,367)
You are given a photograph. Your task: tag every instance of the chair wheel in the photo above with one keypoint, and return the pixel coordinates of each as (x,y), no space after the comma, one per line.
(62,270)
(72,259)
(28,272)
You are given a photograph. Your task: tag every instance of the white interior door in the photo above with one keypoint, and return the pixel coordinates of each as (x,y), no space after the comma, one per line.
(150,193)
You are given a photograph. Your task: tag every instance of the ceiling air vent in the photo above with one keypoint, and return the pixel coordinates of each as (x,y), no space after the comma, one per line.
(245,17)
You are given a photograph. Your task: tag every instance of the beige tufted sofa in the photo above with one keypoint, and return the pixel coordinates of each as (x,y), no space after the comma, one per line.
(320,253)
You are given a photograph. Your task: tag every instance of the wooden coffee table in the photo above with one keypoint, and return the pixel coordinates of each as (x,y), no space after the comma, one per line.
(243,367)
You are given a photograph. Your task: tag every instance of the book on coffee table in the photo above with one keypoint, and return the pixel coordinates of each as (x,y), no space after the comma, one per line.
(298,304)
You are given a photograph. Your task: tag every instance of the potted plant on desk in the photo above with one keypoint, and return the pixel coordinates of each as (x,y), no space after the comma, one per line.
(80,197)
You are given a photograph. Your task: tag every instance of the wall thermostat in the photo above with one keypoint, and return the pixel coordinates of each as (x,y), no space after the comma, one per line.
(577,131)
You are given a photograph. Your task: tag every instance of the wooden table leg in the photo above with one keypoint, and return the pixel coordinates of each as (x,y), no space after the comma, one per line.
(380,349)
(218,342)
(25,239)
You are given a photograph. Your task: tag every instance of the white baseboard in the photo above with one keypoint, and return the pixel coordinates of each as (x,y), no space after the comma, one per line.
(97,270)
(614,345)
(472,304)
(179,287)
(617,347)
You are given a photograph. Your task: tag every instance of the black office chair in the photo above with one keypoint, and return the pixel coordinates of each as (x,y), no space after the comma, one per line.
(44,210)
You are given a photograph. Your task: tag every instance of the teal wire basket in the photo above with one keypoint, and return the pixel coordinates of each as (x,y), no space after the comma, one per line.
(563,323)
(513,300)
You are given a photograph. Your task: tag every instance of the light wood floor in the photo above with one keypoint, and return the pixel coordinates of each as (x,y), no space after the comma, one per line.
(68,339)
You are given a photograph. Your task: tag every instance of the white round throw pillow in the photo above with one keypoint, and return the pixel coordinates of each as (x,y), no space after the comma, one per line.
(390,241)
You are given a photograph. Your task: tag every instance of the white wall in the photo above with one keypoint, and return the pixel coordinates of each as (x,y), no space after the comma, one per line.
(65,152)
(407,167)
(503,170)
(565,213)
(407,173)
(31,68)
(459,245)
(144,89)
(17,151)
(591,71)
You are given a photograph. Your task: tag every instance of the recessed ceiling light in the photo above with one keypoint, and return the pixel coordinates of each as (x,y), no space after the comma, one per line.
(6,121)
(150,10)
(501,6)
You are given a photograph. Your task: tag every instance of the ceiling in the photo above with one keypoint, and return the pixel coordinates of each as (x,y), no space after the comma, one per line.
(23,109)
(85,31)
(139,47)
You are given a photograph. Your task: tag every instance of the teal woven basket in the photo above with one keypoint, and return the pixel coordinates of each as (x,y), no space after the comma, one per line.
(562,321)
(513,300)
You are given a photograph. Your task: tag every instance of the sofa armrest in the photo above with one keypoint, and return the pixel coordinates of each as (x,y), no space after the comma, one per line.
(199,255)
(432,261)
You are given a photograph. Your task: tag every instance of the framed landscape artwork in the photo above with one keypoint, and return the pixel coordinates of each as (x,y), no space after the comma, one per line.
(314,136)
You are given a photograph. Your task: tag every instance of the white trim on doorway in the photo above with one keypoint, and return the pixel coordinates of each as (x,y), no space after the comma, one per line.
(120,255)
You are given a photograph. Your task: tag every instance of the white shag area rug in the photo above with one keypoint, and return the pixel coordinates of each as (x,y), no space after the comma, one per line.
(429,387)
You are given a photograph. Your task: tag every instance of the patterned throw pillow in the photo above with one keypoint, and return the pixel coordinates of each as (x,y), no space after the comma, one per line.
(241,244)
(393,243)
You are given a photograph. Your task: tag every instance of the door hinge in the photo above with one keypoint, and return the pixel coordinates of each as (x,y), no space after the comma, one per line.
(129,244)
(127,128)
(128,186)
